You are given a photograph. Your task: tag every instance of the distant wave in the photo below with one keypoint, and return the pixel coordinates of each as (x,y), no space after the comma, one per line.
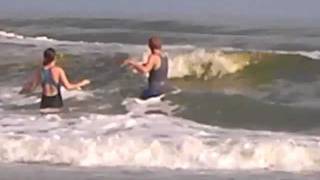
(11,35)
(17,36)
(12,38)
(196,62)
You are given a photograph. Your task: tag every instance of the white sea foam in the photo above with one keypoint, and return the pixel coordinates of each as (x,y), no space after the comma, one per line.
(310,54)
(138,107)
(11,35)
(203,64)
(150,141)
(140,140)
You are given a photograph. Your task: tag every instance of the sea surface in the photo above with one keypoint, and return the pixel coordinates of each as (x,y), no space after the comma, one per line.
(246,105)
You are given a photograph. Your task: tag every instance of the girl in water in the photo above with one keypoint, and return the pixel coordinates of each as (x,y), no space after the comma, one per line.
(156,66)
(51,77)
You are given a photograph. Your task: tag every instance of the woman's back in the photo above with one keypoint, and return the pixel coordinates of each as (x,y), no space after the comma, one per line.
(50,84)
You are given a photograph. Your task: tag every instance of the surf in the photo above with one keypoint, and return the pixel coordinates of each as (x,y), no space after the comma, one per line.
(151,141)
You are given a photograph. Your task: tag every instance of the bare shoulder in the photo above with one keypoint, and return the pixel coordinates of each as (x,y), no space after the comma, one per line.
(154,57)
(57,69)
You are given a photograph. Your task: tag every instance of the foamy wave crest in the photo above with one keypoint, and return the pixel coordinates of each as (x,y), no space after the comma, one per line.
(10,35)
(40,40)
(309,54)
(150,141)
(16,36)
(204,64)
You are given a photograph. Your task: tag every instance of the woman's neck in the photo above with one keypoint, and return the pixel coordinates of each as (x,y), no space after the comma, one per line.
(49,65)
(156,52)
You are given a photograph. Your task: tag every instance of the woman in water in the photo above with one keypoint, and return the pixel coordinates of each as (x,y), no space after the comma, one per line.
(156,66)
(51,77)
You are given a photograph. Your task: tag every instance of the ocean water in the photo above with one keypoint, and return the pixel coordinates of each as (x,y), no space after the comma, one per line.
(246,106)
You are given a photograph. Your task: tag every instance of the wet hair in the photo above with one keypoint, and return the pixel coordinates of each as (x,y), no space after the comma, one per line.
(154,43)
(49,56)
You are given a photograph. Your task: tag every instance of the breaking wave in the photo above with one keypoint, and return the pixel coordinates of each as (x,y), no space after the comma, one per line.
(151,141)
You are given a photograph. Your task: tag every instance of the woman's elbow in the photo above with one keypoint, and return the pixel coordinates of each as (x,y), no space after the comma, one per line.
(145,70)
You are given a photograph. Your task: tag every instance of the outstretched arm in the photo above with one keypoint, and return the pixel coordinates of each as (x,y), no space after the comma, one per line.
(70,86)
(31,83)
(142,68)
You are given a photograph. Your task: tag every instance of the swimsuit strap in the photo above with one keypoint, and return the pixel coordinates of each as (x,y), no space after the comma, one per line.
(46,76)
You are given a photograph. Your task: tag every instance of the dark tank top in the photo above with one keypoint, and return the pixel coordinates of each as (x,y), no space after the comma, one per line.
(158,80)
(159,76)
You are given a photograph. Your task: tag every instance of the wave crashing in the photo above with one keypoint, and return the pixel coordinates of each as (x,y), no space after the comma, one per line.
(151,141)
(205,65)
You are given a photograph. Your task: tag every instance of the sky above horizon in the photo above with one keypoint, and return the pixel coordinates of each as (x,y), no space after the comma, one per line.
(197,10)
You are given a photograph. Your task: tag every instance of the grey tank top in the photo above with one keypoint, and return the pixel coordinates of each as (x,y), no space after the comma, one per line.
(160,75)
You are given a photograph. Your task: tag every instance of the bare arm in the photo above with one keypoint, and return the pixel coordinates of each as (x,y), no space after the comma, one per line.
(142,68)
(31,83)
(70,86)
